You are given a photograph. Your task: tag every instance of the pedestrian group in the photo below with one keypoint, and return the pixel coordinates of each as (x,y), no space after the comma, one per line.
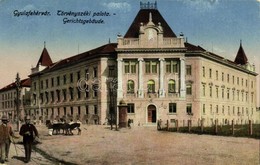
(27,131)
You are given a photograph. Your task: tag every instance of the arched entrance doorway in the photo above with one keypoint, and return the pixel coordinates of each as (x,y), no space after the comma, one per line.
(151,114)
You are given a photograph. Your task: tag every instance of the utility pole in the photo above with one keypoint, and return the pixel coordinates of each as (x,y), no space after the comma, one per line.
(18,86)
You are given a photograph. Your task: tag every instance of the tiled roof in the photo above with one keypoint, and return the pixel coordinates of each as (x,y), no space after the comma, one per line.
(24,83)
(108,49)
(45,59)
(191,47)
(143,16)
(241,56)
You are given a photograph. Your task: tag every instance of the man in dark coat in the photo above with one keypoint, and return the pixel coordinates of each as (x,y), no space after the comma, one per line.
(5,134)
(28,131)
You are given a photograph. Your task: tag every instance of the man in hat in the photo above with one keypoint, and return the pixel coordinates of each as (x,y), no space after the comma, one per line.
(5,133)
(28,131)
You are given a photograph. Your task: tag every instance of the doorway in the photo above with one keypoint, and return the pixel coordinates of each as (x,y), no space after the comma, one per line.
(151,110)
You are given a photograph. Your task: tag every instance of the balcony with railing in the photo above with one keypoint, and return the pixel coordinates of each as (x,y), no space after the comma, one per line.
(137,43)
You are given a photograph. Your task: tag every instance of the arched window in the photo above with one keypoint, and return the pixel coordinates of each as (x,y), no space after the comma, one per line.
(171,86)
(130,86)
(151,86)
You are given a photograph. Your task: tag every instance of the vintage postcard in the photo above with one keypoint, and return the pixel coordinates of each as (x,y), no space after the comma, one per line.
(130,82)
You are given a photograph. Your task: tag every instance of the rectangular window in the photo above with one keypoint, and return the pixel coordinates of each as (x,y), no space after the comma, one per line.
(203,71)
(131,108)
(71,111)
(64,91)
(204,90)
(58,95)
(71,94)
(79,110)
(233,79)
(95,109)
(171,66)
(87,91)
(228,78)
(222,76)
(189,108)
(228,94)
(79,94)
(41,97)
(222,93)
(237,80)
(64,111)
(210,73)
(154,67)
(78,75)
(188,89)
(71,78)
(147,67)
(127,66)
(216,75)
(130,66)
(47,83)
(172,108)
(86,74)
(52,96)
(217,92)
(95,90)
(95,72)
(210,91)
(203,109)
(151,67)
(47,97)
(64,79)
(188,69)
(111,71)
(41,84)
(133,67)
(87,111)
(52,82)
(58,81)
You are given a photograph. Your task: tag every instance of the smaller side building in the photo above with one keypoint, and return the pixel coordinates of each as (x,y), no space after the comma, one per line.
(8,103)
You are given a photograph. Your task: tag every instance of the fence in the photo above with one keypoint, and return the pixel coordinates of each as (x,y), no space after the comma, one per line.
(246,130)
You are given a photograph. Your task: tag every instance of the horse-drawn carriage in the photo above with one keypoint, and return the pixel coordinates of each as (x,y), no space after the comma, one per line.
(66,128)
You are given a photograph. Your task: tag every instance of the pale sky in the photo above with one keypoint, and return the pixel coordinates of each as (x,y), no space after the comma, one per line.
(216,25)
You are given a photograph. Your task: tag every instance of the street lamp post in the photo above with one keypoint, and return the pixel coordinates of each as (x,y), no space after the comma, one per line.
(18,85)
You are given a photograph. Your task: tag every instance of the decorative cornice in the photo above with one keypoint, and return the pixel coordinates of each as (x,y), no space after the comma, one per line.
(138,50)
(221,61)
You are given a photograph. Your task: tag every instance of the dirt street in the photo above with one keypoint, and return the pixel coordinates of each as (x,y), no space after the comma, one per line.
(140,145)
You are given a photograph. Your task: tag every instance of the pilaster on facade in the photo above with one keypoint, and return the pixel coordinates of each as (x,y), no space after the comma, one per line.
(182,78)
(140,78)
(120,78)
(161,80)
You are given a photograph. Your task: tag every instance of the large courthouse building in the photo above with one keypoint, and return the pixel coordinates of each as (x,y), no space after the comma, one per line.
(157,73)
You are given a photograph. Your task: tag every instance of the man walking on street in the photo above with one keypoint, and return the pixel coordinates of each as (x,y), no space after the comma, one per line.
(5,133)
(28,131)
